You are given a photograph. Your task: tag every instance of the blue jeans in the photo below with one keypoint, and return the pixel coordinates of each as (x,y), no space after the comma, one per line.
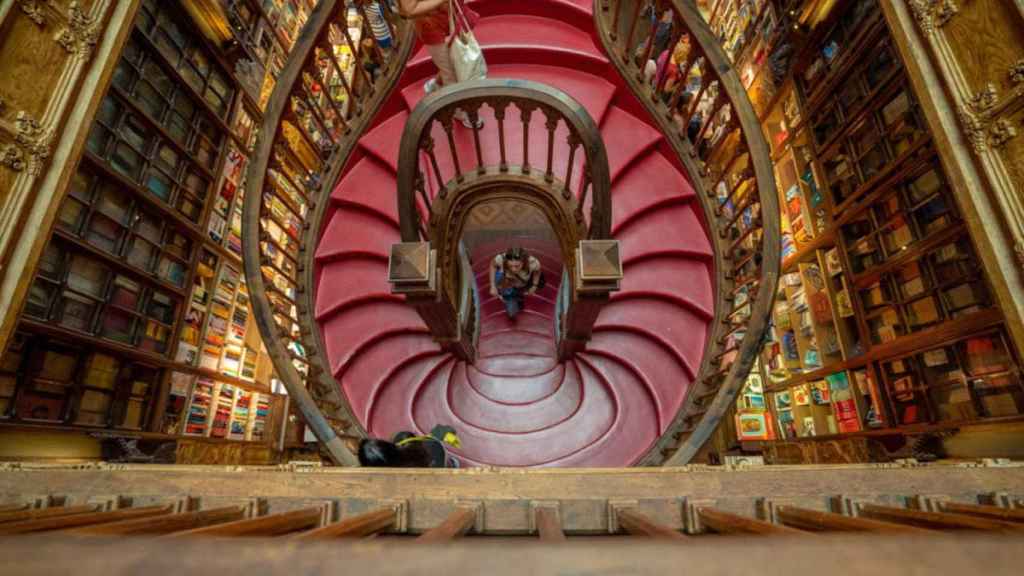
(513,300)
(511,297)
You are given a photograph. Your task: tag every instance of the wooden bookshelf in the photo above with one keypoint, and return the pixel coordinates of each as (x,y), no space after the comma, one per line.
(139,306)
(883,321)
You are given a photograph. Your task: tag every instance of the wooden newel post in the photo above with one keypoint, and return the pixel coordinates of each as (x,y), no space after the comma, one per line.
(597,274)
(413,272)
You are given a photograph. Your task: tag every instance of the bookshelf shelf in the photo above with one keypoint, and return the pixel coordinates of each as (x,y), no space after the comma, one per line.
(138,318)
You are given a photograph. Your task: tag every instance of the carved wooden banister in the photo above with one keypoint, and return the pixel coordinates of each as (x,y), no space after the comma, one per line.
(322,103)
(710,123)
(443,174)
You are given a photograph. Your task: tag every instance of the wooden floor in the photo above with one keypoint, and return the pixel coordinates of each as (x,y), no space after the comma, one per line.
(554,504)
(836,556)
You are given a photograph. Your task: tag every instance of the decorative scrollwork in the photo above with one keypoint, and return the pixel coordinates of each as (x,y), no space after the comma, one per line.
(1017,72)
(922,10)
(945,11)
(1018,248)
(81,33)
(34,12)
(985,100)
(973,129)
(12,158)
(1002,132)
(33,141)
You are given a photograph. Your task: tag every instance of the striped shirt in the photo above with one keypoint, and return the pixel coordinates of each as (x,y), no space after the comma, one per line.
(378,24)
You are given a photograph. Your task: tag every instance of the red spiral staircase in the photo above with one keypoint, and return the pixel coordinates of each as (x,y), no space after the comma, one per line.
(698,234)
(517,405)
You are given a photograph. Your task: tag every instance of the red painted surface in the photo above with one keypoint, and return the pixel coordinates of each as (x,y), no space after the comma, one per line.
(517,405)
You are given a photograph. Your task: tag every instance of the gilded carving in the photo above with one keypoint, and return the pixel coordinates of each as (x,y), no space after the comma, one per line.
(33,141)
(923,14)
(12,157)
(973,129)
(34,12)
(1002,132)
(1017,72)
(985,100)
(81,33)
(946,10)
(1019,249)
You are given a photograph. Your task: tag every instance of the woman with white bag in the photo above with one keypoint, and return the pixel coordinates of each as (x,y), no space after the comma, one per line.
(445,28)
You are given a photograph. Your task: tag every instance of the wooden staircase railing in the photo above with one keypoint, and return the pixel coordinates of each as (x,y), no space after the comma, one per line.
(320,107)
(310,523)
(708,120)
(565,176)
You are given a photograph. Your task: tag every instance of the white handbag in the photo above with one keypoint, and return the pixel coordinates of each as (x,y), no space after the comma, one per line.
(466,55)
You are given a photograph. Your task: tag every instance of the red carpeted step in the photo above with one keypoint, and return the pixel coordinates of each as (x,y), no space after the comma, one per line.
(626,139)
(370,184)
(528,386)
(676,227)
(635,428)
(476,409)
(595,416)
(673,325)
(649,183)
(347,281)
(352,231)
(499,342)
(688,281)
(348,332)
(526,31)
(664,376)
(370,371)
(391,408)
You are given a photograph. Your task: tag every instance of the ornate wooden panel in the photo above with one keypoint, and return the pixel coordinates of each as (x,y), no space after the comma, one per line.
(52,56)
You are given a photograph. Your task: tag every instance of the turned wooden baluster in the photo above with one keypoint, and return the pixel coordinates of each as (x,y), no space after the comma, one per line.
(713,117)
(427,146)
(473,111)
(368,30)
(447,119)
(584,190)
(574,142)
(627,50)
(343,24)
(499,115)
(345,84)
(550,124)
(526,112)
(329,57)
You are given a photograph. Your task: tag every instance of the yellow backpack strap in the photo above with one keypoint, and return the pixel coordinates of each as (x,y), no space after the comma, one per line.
(412,439)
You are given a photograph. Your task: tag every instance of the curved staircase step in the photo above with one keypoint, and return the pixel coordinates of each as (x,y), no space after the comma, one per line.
(593,419)
(372,370)
(478,410)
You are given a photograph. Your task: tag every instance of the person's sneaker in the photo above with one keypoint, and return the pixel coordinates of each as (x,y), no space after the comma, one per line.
(431,85)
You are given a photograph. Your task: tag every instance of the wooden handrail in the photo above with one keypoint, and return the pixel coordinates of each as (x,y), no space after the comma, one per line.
(311,125)
(463,182)
(498,95)
(710,124)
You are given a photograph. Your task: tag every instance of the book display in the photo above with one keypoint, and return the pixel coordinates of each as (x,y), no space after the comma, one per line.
(883,318)
(138,317)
